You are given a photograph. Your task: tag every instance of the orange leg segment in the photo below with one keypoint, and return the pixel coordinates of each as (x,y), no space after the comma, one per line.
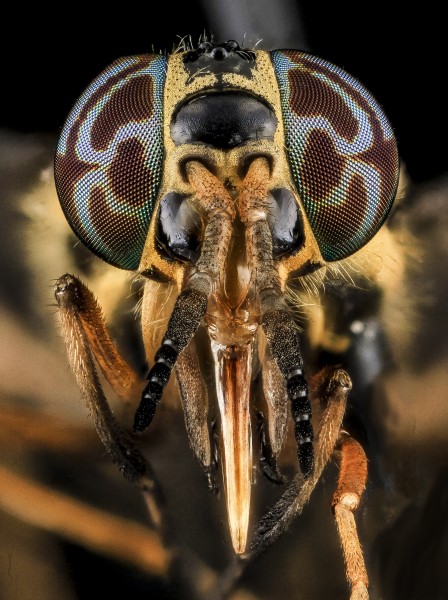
(351,485)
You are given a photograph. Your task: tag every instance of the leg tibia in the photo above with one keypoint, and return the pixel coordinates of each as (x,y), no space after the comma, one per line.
(77,303)
(351,484)
(80,319)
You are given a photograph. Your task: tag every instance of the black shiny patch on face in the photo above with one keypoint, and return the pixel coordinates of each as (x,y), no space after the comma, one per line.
(285,223)
(179,229)
(227,57)
(223,120)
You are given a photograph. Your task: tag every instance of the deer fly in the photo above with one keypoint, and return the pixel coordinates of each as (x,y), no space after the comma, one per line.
(232,182)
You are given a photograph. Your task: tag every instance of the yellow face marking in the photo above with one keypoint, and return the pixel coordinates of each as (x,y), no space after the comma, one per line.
(233,298)
(226,164)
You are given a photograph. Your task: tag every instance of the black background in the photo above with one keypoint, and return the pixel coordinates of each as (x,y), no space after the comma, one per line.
(50,56)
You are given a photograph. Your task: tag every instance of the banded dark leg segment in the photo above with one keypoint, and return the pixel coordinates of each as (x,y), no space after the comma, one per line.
(191,305)
(282,337)
(278,325)
(185,319)
(331,388)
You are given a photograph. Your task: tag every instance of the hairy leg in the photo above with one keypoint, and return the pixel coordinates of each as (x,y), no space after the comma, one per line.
(331,387)
(351,485)
(81,319)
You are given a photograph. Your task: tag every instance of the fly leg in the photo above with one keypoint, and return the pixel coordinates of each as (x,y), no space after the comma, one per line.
(87,340)
(79,308)
(191,304)
(351,485)
(330,387)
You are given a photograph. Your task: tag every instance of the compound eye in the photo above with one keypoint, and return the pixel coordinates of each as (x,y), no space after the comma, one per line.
(108,165)
(341,149)
(179,229)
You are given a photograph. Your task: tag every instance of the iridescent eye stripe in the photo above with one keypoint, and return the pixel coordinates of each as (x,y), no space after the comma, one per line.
(108,163)
(342,151)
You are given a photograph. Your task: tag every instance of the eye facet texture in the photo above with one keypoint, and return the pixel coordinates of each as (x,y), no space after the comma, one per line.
(108,164)
(341,148)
